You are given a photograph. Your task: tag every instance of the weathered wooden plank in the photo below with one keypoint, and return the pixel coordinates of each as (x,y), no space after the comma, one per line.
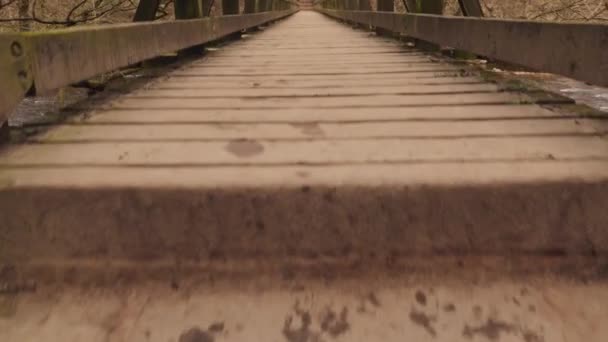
(369,101)
(192,91)
(304,84)
(296,71)
(333,115)
(367,176)
(576,50)
(262,298)
(359,78)
(313,152)
(321,131)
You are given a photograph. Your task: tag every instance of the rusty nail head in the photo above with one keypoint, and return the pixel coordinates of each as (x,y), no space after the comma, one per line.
(16,49)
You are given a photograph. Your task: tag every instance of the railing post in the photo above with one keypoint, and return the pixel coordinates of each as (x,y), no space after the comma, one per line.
(411,6)
(146,10)
(188,9)
(230,7)
(426,7)
(364,5)
(249,6)
(430,6)
(206,7)
(471,8)
(386,5)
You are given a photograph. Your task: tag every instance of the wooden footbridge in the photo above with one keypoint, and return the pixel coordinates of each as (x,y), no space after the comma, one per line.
(320,145)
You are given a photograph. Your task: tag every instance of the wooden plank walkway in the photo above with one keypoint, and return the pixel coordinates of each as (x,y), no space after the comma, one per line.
(309,137)
(308,183)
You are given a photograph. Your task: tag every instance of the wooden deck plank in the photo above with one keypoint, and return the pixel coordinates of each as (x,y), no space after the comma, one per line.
(338,115)
(364,101)
(497,173)
(317,152)
(323,131)
(193,92)
(420,76)
(283,83)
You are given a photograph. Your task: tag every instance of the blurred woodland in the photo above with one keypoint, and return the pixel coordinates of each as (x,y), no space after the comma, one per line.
(25,15)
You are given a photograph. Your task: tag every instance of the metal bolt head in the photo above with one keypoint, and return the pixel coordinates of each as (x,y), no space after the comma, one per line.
(16,49)
(22,74)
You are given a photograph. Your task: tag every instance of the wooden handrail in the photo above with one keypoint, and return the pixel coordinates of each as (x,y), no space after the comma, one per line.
(576,50)
(45,61)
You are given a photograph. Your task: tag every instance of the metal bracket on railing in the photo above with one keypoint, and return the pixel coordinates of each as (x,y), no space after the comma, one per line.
(15,73)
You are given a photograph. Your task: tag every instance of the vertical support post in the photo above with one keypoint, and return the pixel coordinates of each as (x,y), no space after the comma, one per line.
(471,8)
(230,7)
(5,132)
(188,9)
(364,5)
(249,6)
(430,6)
(146,10)
(206,7)
(261,6)
(386,5)
(411,6)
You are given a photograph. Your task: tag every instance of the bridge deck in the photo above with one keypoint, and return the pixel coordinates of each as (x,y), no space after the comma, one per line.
(311,106)
(334,154)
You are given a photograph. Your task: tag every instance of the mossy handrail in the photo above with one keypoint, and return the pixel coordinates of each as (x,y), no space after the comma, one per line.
(39,62)
(576,50)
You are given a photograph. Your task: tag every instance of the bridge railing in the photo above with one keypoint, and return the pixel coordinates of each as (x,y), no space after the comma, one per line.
(39,62)
(576,50)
